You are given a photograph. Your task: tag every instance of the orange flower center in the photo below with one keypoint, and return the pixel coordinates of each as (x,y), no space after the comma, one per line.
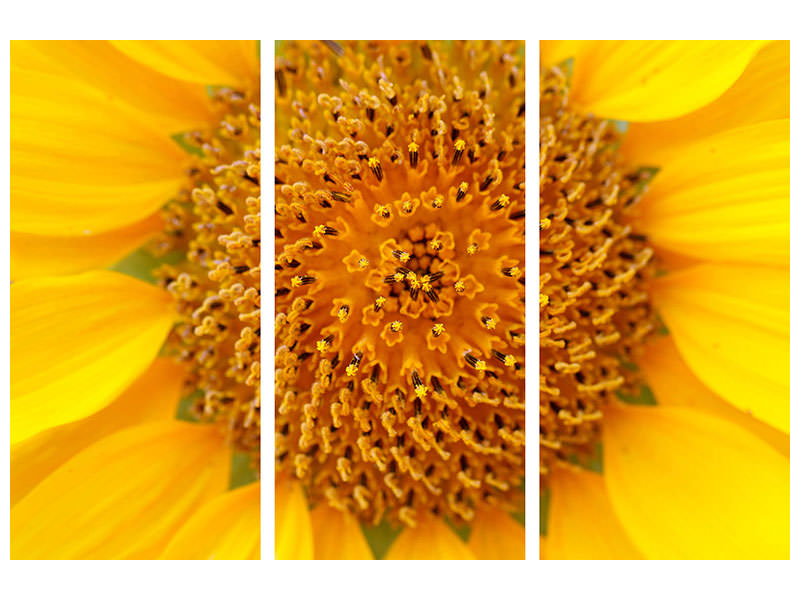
(215,227)
(594,306)
(400,276)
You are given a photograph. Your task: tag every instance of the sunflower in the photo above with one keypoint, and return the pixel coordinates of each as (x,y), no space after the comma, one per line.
(400,318)
(135,404)
(664,299)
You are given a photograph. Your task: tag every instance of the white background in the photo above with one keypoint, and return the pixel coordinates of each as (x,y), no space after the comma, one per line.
(398,19)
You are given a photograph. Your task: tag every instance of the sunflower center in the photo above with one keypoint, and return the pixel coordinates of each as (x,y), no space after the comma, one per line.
(400,277)
(215,224)
(593,300)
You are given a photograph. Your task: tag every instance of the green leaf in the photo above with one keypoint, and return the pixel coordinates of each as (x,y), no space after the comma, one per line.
(644,396)
(183,142)
(544,510)
(593,462)
(662,328)
(626,364)
(380,538)
(185,404)
(461,531)
(567,67)
(519,517)
(244,470)
(140,264)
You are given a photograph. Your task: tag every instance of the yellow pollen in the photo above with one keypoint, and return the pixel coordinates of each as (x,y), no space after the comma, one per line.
(380,301)
(594,308)
(544,300)
(438,329)
(363,263)
(396,326)
(503,200)
(509,361)
(472,249)
(490,323)
(322,345)
(297,281)
(459,286)
(214,226)
(351,370)
(421,391)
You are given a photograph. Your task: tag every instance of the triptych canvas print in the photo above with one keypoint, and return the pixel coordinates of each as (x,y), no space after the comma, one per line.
(395,356)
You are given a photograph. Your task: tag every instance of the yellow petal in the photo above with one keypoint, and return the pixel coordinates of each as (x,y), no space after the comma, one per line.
(173,105)
(41,255)
(637,80)
(77,342)
(225,528)
(201,61)
(731,326)
(337,535)
(725,197)
(431,539)
(496,535)
(81,162)
(293,535)
(123,497)
(152,397)
(674,384)
(582,524)
(760,94)
(553,52)
(687,485)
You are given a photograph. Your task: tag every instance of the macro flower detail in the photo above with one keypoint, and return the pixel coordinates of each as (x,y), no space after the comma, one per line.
(136,206)
(399,243)
(218,288)
(593,273)
(664,305)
